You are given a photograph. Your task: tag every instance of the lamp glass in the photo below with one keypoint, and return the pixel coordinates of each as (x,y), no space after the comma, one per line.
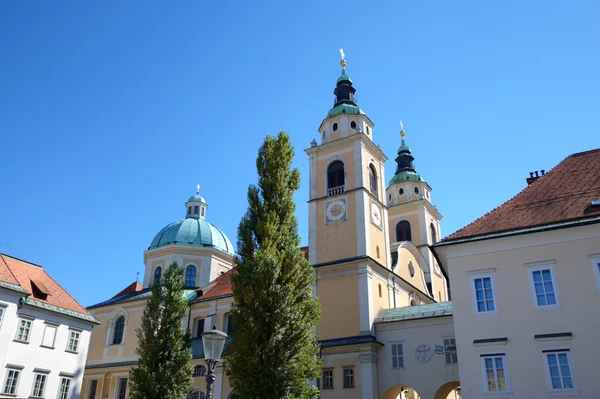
(213,342)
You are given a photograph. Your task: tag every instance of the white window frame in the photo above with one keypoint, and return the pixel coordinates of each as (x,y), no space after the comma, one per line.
(329,370)
(595,258)
(351,376)
(60,384)
(540,268)
(119,380)
(562,391)
(399,357)
(50,325)
(45,383)
(452,355)
(474,293)
(19,370)
(484,380)
(88,389)
(20,320)
(77,340)
(3,309)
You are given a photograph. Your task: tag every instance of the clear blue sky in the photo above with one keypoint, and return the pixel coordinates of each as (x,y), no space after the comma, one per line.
(111,112)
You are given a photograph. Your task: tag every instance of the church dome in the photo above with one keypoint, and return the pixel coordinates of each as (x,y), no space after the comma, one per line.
(193,230)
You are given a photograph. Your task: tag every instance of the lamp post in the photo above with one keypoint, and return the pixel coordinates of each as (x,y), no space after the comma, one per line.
(213,342)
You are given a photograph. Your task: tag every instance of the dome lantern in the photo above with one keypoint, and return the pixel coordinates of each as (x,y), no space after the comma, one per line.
(196,206)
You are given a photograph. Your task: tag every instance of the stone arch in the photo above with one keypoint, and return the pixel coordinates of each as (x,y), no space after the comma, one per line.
(446,389)
(396,391)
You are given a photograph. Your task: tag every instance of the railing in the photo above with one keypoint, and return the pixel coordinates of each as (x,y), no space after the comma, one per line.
(335,191)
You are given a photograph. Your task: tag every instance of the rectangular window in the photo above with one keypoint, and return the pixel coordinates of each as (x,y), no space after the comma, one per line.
(39,385)
(63,390)
(2,310)
(122,388)
(560,370)
(11,382)
(596,265)
(23,330)
(397,356)
(49,336)
(327,379)
(451,357)
(199,327)
(543,286)
(349,378)
(484,294)
(495,376)
(73,343)
(92,389)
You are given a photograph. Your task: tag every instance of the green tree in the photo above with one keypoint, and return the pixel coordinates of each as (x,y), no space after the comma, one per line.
(164,370)
(274,348)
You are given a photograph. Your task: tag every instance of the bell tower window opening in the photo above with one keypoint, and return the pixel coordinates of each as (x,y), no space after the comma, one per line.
(434,238)
(401,192)
(334,127)
(416,190)
(196,209)
(403,231)
(353,125)
(373,179)
(335,178)
(189,210)
(157,275)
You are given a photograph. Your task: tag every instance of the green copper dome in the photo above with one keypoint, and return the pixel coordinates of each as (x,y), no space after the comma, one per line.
(406,175)
(192,232)
(345,109)
(197,198)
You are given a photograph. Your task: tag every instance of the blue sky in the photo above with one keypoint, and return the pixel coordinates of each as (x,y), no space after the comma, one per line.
(111,112)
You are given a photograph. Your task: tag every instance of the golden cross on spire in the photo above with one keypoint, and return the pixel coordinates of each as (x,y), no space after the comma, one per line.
(343,61)
(401,129)
(197,189)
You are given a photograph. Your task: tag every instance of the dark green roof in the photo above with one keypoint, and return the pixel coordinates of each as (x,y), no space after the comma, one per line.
(414,312)
(406,175)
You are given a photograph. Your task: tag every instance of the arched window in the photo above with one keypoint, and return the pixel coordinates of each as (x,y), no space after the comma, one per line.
(434,237)
(197,395)
(157,275)
(403,232)
(373,179)
(196,209)
(379,290)
(199,370)
(118,331)
(335,178)
(190,276)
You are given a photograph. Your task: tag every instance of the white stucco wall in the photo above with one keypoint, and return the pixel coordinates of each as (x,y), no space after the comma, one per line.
(32,356)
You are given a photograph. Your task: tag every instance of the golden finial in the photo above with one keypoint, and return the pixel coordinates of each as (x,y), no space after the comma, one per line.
(197,189)
(343,61)
(401,129)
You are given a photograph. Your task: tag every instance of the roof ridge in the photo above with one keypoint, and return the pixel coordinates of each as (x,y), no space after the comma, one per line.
(23,260)
(577,154)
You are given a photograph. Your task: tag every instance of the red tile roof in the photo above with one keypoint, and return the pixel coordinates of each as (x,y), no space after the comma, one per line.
(133,287)
(221,286)
(32,278)
(564,194)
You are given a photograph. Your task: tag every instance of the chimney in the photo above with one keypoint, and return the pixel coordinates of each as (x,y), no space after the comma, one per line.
(533,178)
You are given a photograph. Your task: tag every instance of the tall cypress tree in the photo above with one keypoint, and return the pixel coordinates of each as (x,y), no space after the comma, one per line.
(164,370)
(273,354)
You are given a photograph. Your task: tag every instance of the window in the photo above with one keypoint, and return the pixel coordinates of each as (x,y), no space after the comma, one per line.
(23,330)
(122,392)
(390,197)
(202,210)
(92,387)
(484,294)
(353,125)
(560,370)
(397,356)
(434,238)
(197,395)
(403,232)
(73,343)
(377,251)
(199,370)
(401,192)
(373,179)
(65,386)
(157,274)
(196,209)
(543,286)
(495,376)
(2,309)
(118,331)
(335,127)
(379,290)
(349,378)
(228,324)
(327,379)
(368,130)
(49,336)
(451,357)
(189,210)
(190,276)
(416,190)
(335,175)
(12,380)
(199,327)
(411,269)
(39,385)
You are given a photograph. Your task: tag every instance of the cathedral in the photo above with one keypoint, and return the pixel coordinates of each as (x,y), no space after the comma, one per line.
(386,328)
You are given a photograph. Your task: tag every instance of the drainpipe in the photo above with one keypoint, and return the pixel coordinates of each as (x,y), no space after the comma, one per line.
(394,290)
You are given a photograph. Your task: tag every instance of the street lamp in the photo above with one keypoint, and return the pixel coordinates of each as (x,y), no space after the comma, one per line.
(213,342)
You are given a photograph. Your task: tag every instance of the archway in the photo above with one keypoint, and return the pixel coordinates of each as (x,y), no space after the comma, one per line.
(401,391)
(450,390)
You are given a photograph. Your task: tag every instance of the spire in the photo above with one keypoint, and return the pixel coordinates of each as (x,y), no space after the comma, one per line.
(404,160)
(344,92)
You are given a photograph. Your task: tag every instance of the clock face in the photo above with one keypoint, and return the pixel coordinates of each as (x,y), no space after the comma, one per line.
(375,214)
(335,210)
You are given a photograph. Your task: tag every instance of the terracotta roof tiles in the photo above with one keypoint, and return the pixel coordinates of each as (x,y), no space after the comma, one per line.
(564,194)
